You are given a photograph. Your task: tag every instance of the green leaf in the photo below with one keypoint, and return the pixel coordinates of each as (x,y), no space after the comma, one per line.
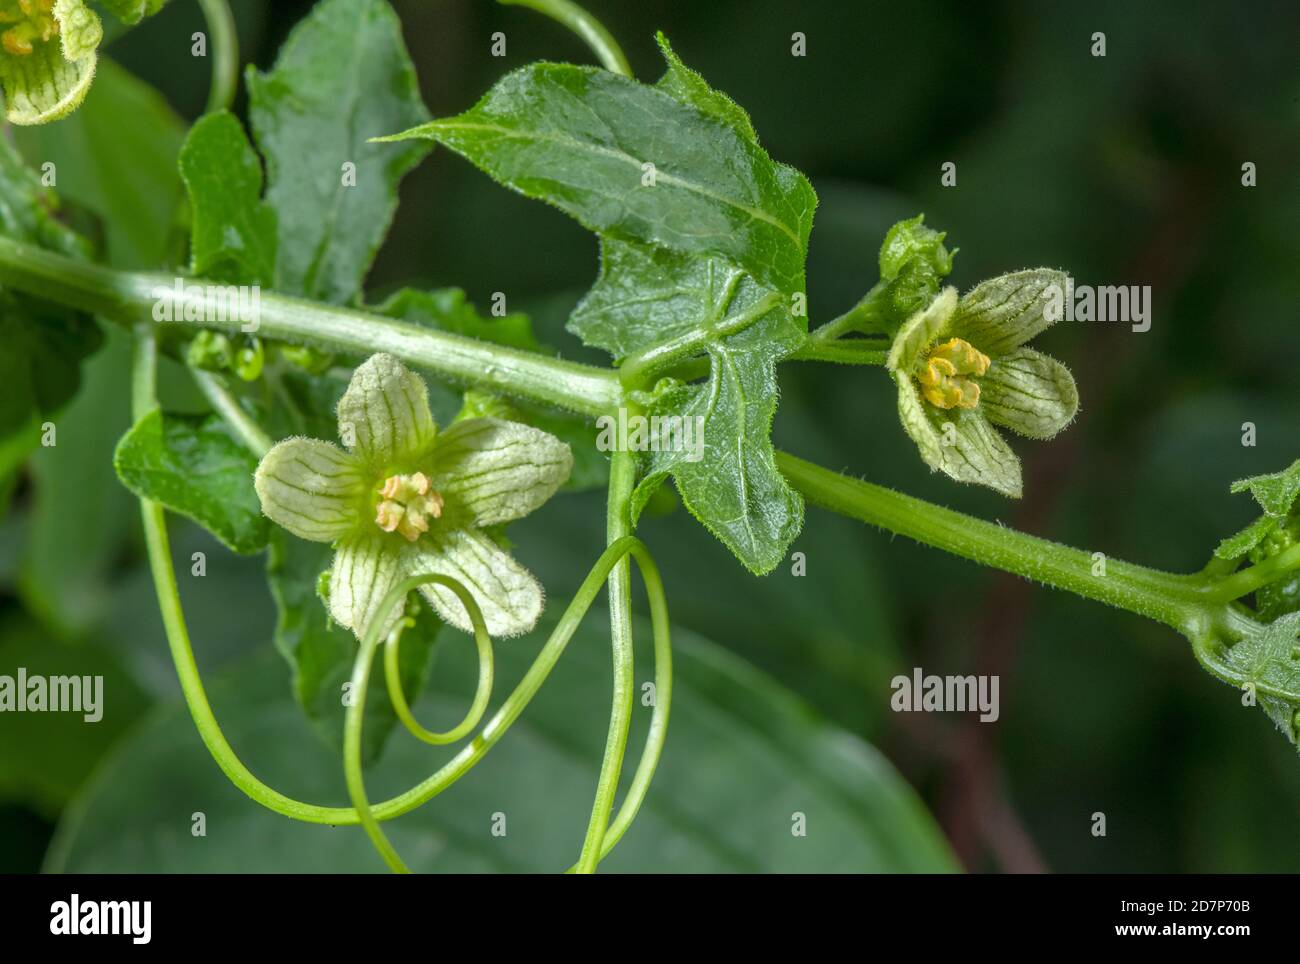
(1276,494)
(744,755)
(580,139)
(116,156)
(320,652)
(233,236)
(654,299)
(193,465)
(1269,661)
(342,78)
(1237,545)
(690,88)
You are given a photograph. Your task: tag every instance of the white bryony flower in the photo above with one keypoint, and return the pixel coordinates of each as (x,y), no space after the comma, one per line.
(47,57)
(405,499)
(962,368)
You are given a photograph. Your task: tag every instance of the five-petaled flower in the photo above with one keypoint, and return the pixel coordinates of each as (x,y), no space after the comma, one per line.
(47,57)
(405,500)
(962,368)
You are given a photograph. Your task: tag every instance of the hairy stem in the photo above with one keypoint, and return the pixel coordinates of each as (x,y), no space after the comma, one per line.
(1180,601)
(132,298)
(129,298)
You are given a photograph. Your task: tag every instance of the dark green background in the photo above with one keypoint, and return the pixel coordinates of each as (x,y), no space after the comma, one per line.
(1123,170)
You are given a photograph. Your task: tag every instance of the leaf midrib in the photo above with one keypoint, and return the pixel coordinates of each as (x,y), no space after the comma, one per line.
(693,187)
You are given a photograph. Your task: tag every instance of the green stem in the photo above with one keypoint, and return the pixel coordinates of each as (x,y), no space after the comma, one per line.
(638,366)
(1169,598)
(131,298)
(1181,601)
(622,479)
(1259,575)
(867,317)
(591,30)
(486,669)
(360,683)
(227,406)
(223,47)
(855,351)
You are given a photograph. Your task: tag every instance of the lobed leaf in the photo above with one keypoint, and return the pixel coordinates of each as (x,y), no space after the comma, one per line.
(582,139)
(727,476)
(1269,661)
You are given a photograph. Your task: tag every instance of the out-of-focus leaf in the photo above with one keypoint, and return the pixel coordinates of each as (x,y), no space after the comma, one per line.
(46,756)
(45,344)
(233,236)
(341,78)
(744,756)
(193,465)
(81,515)
(116,156)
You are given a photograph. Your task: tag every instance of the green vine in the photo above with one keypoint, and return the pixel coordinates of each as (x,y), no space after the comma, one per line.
(696,328)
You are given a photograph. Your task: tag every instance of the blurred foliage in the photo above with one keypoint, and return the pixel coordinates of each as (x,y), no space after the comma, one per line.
(1123,170)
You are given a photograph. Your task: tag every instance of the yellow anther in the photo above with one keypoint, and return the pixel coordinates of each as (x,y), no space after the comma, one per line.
(407,504)
(33,19)
(947,375)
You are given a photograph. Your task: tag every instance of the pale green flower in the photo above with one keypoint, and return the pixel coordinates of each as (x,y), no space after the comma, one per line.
(404,499)
(962,368)
(47,57)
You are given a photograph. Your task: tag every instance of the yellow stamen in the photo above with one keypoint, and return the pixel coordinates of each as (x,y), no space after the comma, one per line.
(947,375)
(33,19)
(407,503)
